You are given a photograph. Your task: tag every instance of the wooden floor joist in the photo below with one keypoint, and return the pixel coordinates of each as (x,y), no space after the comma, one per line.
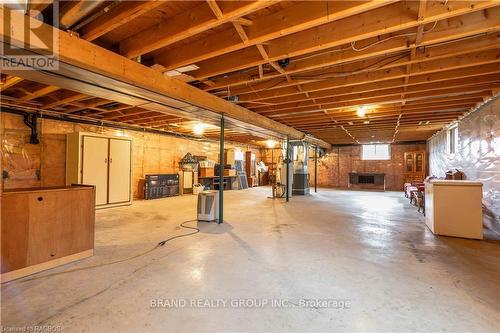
(78,52)
(294,68)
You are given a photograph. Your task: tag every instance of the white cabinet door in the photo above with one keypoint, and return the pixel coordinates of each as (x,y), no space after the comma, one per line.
(95,166)
(119,170)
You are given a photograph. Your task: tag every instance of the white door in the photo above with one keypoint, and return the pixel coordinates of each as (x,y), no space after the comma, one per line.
(119,170)
(95,166)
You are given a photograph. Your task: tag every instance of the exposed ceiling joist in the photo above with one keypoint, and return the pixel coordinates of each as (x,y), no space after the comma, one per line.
(388,19)
(300,16)
(99,61)
(185,24)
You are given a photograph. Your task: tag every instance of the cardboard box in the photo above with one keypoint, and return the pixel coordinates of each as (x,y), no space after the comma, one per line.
(229,172)
(206,172)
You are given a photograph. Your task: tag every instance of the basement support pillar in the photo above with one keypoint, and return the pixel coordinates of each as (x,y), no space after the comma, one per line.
(221,171)
(287,168)
(315,169)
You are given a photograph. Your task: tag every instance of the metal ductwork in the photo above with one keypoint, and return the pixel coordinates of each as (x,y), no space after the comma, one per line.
(75,11)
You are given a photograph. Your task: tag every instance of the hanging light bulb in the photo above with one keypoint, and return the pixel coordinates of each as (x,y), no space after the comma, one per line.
(270,143)
(199,128)
(361,111)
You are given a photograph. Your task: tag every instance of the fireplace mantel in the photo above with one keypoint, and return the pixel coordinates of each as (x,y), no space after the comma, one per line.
(368,181)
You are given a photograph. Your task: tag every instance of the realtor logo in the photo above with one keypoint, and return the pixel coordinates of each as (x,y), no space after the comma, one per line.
(28,44)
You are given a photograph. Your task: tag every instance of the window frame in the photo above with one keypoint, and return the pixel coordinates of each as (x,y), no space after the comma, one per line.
(380,158)
(452,139)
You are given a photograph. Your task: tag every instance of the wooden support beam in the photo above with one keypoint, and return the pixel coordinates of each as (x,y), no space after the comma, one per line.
(243,21)
(262,51)
(184,25)
(214,7)
(277,67)
(241,31)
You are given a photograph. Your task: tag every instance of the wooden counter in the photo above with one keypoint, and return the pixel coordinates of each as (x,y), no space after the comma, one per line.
(45,227)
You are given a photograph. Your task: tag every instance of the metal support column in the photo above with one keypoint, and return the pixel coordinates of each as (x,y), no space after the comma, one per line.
(287,168)
(221,171)
(315,169)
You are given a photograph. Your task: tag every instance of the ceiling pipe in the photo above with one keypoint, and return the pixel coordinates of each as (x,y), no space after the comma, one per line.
(77,10)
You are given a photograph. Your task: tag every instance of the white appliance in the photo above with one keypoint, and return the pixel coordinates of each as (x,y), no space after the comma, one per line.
(208,206)
(453,208)
(103,161)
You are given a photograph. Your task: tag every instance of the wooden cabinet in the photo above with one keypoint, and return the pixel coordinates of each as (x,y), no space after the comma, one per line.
(414,166)
(104,162)
(45,227)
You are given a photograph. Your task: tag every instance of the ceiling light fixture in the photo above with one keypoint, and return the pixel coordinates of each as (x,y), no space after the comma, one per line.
(361,111)
(181,70)
(270,143)
(198,129)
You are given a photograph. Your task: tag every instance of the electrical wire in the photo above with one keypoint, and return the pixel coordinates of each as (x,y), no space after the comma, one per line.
(377,65)
(158,245)
(353,44)
(353,47)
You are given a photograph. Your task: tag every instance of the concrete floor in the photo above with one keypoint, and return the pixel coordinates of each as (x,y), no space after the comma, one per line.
(370,250)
